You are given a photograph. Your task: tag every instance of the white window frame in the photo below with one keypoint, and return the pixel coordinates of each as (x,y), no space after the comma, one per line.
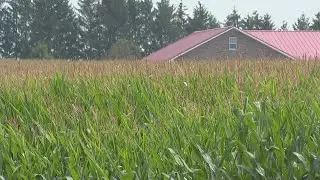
(233,41)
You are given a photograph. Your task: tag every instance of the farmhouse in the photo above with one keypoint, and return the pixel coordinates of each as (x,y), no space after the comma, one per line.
(233,43)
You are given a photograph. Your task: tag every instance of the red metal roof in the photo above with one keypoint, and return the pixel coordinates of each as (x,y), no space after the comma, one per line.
(294,44)
(183,45)
(298,44)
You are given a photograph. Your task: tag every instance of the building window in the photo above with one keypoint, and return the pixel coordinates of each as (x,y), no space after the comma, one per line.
(232,43)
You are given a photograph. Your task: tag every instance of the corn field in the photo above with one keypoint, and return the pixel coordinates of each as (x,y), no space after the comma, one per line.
(142,120)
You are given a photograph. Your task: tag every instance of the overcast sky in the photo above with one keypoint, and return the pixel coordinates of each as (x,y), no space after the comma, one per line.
(288,10)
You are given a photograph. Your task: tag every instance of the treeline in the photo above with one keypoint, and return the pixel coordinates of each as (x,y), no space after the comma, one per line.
(99,29)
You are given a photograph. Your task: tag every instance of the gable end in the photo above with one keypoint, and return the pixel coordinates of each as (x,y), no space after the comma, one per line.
(248,47)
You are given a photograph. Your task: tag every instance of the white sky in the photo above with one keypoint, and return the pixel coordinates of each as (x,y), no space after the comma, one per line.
(288,10)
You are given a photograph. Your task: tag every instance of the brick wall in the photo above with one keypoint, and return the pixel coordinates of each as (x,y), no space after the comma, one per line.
(218,49)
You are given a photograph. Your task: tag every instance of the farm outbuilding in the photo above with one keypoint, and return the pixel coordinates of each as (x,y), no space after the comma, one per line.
(233,43)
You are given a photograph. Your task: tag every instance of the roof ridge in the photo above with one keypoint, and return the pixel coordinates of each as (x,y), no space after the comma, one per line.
(171,43)
(282,30)
(225,28)
(195,32)
(183,48)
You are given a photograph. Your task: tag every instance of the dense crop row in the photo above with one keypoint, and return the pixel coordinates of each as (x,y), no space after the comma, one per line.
(217,120)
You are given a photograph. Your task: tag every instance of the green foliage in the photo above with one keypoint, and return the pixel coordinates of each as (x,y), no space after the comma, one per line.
(147,37)
(231,125)
(54,22)
(267,23)
(165,29)
(251,22)
(233,19)
(202,19)
(134,23)
(90,30)
(40,51)
(7,32)
(181,19)
(257,22)
(21,16)
(124,49)
(113,15)
(303,23)
(284,26)
(316,22)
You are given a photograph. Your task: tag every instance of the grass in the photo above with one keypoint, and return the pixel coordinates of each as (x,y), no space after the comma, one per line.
(138,120)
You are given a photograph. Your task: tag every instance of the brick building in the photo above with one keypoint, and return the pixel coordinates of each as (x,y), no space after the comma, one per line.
(233,43)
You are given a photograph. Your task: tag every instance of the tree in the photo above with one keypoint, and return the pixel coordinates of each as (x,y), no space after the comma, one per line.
(146,17)
(267,23)
(43,22)
(1,25)
(132,30)
(54,23)
(40,51)
(124,49)
(252,22)
(181,19)
(302,23)
(114,16)
(257,22)
(7,32)
(20,12)
(90,29)
(316,22)
(66,36)
(164,28)
(233,19)
(284,26)
(247,23)
(202,19)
